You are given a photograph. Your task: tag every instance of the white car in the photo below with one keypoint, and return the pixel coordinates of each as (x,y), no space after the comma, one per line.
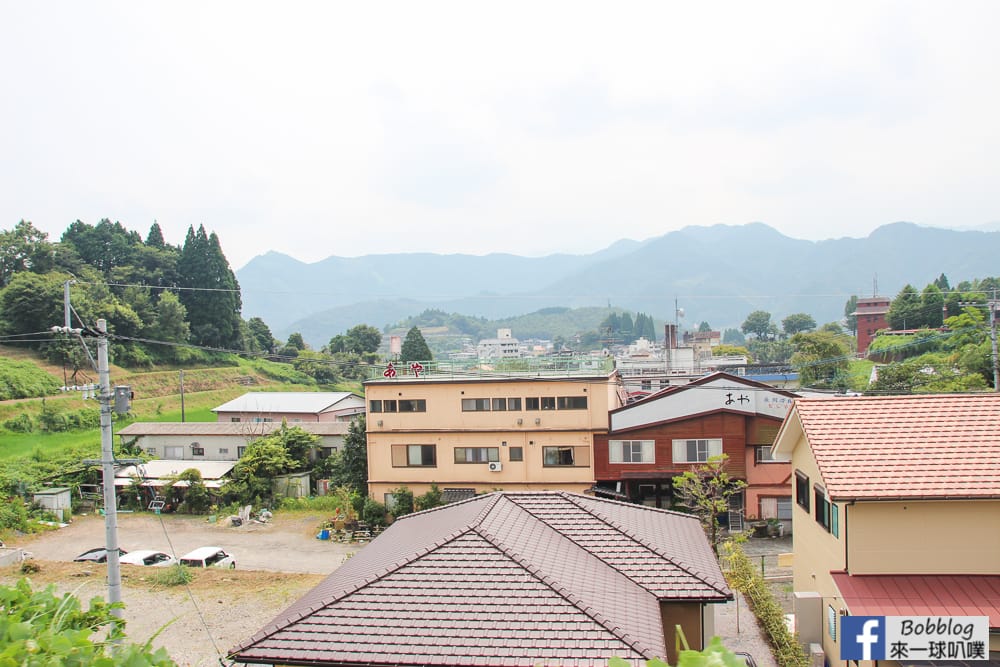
(147,557)
(208,557)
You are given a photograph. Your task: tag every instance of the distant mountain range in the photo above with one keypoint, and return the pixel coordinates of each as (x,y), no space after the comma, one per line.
(717,274)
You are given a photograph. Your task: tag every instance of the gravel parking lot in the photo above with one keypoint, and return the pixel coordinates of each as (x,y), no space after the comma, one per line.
(285,544)
(277,563)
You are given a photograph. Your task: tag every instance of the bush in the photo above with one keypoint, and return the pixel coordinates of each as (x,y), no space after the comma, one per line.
(13,515)
(24,379)
(175,575)
(747,579)
(373,512)
(402,501)
(430,499)
(20,424)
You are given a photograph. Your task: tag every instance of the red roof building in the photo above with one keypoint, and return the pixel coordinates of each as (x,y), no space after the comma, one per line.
(897,510)
(661,436)
(507,579)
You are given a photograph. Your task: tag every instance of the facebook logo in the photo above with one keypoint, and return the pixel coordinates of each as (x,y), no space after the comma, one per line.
(862,638)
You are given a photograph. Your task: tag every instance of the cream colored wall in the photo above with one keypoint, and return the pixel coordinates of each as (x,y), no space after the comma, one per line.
(817,553)
(444,405)
(924,537)
(446,426)
(529,473)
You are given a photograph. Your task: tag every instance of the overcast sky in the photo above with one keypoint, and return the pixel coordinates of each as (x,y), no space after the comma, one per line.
(334,128)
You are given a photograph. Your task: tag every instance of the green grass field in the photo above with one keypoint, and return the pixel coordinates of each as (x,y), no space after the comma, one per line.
(15,445)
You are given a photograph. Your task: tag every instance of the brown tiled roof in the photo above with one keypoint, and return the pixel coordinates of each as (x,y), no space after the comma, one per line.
(502,579)
(921,594)
(907,447)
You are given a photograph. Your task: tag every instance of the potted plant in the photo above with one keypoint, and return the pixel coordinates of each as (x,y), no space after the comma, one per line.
(775,528)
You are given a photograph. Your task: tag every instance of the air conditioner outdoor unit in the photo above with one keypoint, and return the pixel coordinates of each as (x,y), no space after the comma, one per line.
(495,466)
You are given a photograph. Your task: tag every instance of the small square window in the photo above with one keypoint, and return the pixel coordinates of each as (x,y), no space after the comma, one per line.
(516,453)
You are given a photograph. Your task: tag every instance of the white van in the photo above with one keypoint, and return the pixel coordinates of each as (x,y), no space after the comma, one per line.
(208,557)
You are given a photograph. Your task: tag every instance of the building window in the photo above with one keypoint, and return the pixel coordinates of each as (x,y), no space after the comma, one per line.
(413,405)
(801,490)
(632,451)
(822,508)
(514,404)
(565,456)
(831,622)
(151,451)
(374,406)
(762,454)
(389,406)
(173,452)
(572,402)
(476,454)
(696,451)
(223,450)
(499,404)
(785,508)
(475,405)
(259,420)
(516,453)
(414,456)
(240,451)
(548,402)
(197,451)
(234,419)
(531,403)
(834,520)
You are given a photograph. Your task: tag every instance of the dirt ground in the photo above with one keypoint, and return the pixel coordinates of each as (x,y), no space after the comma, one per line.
(276,564)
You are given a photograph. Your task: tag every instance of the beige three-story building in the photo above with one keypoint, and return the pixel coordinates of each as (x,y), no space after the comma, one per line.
(481,432)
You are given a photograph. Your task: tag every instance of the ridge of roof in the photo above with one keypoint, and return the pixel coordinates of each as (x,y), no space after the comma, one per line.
(718,586)
(320,598)
(923,446)
(562,591)
(590,608)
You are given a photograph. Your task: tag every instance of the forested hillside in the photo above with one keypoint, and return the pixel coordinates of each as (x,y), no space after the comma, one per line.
(163,303)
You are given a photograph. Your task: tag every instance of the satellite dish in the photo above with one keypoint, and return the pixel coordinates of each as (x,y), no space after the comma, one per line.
(680,312)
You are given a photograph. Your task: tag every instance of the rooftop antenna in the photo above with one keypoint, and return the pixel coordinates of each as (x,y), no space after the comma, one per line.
(875,285)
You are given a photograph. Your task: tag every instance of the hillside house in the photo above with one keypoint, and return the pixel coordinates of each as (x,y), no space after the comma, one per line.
(504,346)
(897,511)
(653,440)
(527,431)
(508,579)
(291,406)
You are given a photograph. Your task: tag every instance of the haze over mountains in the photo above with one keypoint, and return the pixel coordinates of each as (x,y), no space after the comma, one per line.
(717,274)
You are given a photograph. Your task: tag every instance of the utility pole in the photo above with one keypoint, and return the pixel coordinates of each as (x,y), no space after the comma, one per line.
(108,470)
(107,461)
(182,395)
(993,341)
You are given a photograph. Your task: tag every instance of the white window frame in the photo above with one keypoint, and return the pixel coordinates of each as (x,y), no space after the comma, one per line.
(632,451)
(711,446)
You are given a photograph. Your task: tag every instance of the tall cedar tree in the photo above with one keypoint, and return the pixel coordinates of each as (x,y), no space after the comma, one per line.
(352,466)
(213,307)
(415,347)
